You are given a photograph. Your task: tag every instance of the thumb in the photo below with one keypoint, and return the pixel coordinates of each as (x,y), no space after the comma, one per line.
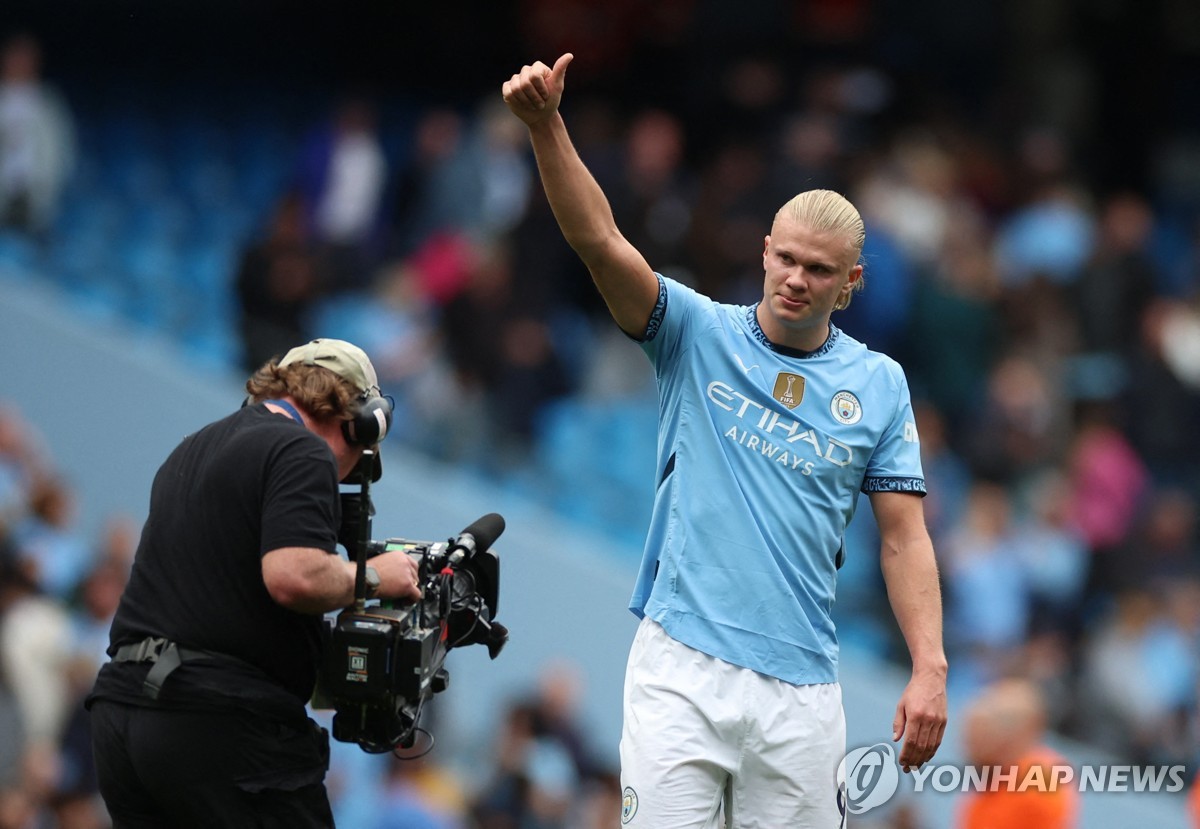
(898,723)
(559,72)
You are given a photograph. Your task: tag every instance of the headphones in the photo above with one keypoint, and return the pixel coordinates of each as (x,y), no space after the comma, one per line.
(371,421)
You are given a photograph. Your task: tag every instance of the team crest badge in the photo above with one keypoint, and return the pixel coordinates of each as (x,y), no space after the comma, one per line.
(789,389)
(846,408)
(628,804)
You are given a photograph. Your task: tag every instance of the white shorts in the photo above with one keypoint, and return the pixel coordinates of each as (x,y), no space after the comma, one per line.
(709,744)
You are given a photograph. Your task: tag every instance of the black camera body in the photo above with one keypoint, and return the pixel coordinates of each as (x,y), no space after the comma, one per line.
(383,660)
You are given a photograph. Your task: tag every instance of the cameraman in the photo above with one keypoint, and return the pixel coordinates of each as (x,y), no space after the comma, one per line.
(199,718)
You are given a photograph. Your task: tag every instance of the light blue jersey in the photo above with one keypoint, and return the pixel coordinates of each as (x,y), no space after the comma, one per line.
(762,452)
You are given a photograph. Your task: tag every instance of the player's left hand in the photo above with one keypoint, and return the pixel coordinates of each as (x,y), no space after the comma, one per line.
(920,719)
(534,93)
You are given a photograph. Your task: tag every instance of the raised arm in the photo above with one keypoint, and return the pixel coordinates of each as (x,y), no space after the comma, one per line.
(622,274)
(910,573)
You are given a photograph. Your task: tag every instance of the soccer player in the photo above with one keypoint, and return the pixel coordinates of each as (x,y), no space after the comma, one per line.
(772,421)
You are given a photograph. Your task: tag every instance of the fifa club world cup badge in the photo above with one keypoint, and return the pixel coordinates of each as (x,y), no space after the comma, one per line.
(789,389)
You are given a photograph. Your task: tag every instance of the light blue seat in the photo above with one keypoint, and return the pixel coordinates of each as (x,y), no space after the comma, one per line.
(20,257)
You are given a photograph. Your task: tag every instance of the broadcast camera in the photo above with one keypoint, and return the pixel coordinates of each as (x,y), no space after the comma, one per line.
(382,661)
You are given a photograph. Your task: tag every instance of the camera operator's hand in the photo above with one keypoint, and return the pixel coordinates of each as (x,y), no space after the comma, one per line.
(398,575)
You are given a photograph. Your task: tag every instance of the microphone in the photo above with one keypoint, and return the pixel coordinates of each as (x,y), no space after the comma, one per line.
(480,535)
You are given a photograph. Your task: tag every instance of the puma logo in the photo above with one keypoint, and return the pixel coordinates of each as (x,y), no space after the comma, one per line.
(745,369)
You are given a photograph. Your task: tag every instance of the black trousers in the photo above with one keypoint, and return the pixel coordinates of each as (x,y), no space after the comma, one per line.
(185,769)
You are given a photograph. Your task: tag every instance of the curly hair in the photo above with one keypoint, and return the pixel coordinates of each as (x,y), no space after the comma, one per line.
(321,392)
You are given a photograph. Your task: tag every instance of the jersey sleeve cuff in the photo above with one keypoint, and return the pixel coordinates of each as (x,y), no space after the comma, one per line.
(656,316)
(894,484)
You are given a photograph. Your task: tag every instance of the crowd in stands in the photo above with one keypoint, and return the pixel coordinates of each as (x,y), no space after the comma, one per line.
(1048,321)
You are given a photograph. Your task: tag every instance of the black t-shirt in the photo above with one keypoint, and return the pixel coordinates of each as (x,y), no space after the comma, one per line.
(241,487)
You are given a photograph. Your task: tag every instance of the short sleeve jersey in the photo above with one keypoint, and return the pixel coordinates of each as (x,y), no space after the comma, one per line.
(762,453)
(239,488)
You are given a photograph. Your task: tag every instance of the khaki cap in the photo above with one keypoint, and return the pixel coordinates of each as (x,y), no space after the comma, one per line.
(344,359)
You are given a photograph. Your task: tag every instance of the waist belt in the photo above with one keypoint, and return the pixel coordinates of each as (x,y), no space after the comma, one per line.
(166,656)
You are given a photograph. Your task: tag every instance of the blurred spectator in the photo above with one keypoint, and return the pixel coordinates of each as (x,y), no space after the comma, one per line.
(751,89)
(542,761)
(1005,729)
(653,193)
(1040,251)
(809,151)
(466,176)
(1050,237)
(1162,547)
(419,795)
(1181,605)
(532,780)
(48,541)
(22,463)
(343,176)
(557,702)
(1049,661)
(1038,321)
(37,139)
(1053,555)
(946,474)
(506,176)
(98,595)
(1055,561)
(76,801)
(442,264)
(953,328)
(913,196)
(733,202)
(881,317)
(431,191)
(987,592)
(502,349)
(35,649)
(1020,422)
(1161,401)
(12,749)
(1181,342)
(279,278)
(1139,672)
(1108,484)
(1119,281)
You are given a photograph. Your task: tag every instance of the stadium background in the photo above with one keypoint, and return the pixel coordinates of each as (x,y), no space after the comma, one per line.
(1030,173)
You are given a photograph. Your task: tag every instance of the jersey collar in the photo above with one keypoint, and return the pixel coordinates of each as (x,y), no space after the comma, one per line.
(760,335)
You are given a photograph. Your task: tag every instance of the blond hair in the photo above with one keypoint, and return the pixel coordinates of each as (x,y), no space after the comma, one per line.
(825,210)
